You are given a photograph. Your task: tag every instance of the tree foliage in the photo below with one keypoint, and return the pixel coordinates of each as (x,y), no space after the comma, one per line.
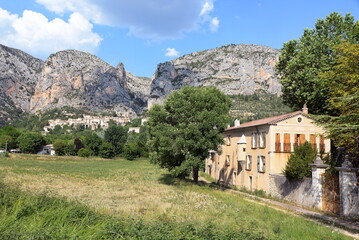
(84,152)
(186,127)
(93,141)
(106,150)
(117,136)
(302,61)
(31,142)
(131,150)
(342,125)
(298,163)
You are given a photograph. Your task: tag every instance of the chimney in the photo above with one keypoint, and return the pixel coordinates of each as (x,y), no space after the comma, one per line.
(237,123)
(305,110)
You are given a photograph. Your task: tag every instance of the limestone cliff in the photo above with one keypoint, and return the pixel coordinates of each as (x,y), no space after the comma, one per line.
(19,73)
(234,69)
(81,80)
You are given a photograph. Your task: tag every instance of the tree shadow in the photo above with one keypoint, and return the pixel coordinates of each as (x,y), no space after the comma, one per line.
(168,179)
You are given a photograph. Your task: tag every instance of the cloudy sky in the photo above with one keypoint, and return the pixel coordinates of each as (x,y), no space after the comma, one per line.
(143,33)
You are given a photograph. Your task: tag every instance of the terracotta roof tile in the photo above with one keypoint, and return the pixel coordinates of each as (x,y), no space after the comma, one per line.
(266,121)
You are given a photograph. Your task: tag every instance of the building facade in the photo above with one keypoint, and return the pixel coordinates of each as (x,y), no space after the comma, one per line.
(255,150)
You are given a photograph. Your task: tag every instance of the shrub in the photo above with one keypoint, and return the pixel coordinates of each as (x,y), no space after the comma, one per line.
(31,142)
(60,147)
(84,152)
(4,155)
(106,150)
(131,150)
(298,163)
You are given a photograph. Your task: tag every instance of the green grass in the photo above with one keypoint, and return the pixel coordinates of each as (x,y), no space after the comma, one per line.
(74,198)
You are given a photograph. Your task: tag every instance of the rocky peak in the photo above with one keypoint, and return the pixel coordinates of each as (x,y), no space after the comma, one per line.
(19,73)
(234,69)
(82,80)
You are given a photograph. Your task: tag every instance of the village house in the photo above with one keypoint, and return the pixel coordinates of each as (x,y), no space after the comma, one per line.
(91,122)
(255,151)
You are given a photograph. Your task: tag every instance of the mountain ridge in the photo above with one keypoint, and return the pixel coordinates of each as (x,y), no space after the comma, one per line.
(82,80)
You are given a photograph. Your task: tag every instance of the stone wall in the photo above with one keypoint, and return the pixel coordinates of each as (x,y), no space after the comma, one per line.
(297,191)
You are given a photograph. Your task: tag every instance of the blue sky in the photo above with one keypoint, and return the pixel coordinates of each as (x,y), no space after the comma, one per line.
(143,33)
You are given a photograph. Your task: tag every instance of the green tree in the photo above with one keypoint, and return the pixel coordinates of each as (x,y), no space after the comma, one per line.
(7,142)
(92,141)
(186,127)
(117,136)
(106,150)
(301,61)
(31,142)
(298,163)
(78,145)
(342,125)
(131,150)
(84,152)
(60,147)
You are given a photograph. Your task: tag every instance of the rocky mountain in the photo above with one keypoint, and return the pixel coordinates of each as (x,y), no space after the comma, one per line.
(234,69)
(67,78)
(19,74)
(81,80)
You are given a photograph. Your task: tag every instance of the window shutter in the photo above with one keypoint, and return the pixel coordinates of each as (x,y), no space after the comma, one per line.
(264,164)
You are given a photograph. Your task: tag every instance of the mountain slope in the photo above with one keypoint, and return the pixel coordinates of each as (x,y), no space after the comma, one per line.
(234,69)
(81,80)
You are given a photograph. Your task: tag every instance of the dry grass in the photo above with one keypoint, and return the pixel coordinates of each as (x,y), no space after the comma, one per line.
(141,190)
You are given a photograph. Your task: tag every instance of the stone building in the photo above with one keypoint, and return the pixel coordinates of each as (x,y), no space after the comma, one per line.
(256,151)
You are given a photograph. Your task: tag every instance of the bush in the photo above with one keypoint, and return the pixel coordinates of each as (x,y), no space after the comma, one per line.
(298,163)
(106,150)
(131,151)
(31,142)
(84,152)
(60,147)
(4,155)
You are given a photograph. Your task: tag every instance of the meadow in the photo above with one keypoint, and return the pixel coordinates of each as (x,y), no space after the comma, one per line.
(49,197)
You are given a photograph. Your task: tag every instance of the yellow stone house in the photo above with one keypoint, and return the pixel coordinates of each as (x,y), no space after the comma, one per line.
(254,150)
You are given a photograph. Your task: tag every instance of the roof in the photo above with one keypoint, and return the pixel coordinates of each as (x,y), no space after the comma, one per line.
(266,121)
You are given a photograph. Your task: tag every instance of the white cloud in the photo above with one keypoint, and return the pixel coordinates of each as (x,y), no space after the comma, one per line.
(34,33)
(153,19)
(171,52)
(214,24)
(207,8)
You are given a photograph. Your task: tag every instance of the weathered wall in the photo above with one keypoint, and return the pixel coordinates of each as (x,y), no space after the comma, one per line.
(297,191)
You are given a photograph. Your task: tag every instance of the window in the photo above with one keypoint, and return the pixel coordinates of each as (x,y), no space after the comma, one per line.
(248,162)
(228,160)
(228,141)
(313,141)
(277,142)
(262,140)
(321,143)
(286,145)
(261,164)
(299,139)
(254,140)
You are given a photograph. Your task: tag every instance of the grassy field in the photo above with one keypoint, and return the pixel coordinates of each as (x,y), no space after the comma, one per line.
(46,197)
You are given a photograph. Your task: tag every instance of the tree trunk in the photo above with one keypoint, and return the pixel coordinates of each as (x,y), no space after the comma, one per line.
(195,175)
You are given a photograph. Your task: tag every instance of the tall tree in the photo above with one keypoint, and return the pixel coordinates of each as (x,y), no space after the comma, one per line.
(31,142)
(302,61)
(342,124)
(117,136)
(186,127)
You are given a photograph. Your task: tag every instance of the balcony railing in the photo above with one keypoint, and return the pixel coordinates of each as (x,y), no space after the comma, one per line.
(286,147)
(277,147)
